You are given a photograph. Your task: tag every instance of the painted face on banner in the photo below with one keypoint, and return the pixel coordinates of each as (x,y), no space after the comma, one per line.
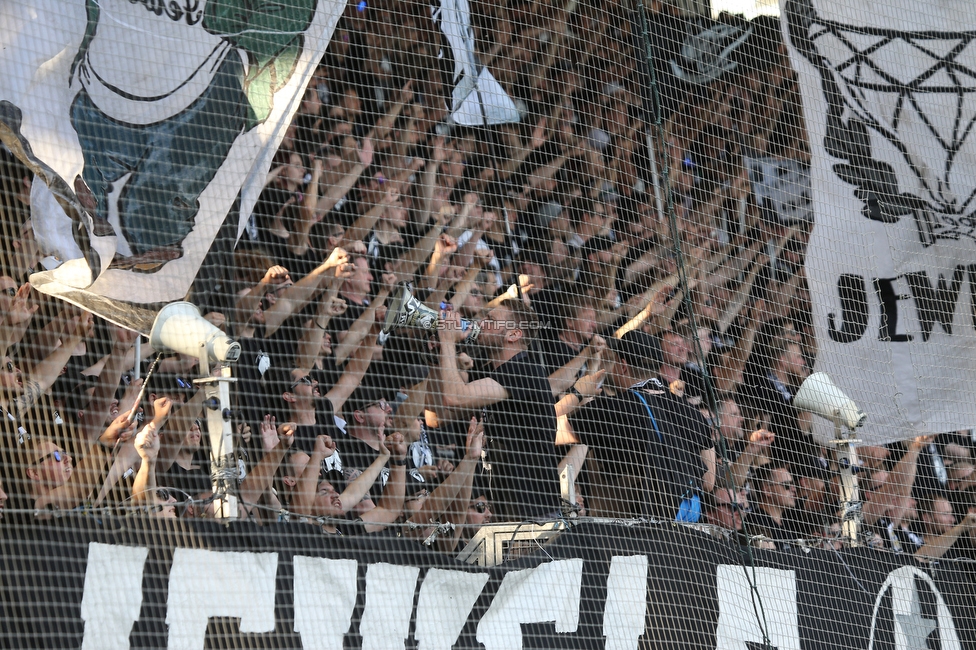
(148,161)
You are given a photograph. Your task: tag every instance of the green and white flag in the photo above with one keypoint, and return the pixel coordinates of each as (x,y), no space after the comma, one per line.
(149,122)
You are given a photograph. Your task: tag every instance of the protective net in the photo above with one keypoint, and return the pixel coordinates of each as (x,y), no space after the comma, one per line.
(487,324)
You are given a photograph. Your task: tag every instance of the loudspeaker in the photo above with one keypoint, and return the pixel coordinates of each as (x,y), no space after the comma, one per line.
(819,395)
(179,327)
(407,311)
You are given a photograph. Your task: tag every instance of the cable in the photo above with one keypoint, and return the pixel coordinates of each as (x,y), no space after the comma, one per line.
(710,395)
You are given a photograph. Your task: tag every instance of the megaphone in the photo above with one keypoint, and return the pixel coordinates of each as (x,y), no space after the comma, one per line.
(407,311)
(819,395)
(179,327)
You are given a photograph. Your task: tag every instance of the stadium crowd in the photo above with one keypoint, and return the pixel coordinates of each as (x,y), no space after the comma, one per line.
(591,355)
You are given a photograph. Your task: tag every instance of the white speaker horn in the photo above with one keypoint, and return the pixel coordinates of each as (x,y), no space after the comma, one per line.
(819,395)
(179,327)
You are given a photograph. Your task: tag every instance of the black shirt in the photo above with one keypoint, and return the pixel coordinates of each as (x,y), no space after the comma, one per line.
(521,432)
(325,425)
(767,395)
(357,455)
(191,481)
(546,305)
(344,321)
(626,442)
(618,429)
(759,523)
(251,396)
(898,538)
(681,436)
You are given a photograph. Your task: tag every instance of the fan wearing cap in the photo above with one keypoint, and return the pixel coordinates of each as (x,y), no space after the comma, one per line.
(655,452)
(520,416)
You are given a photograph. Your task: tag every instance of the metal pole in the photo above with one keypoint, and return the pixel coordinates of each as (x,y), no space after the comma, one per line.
(223,464)
(853,515)
(138,357)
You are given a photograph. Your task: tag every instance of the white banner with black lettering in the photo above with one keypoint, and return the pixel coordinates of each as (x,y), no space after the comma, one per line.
(888,95)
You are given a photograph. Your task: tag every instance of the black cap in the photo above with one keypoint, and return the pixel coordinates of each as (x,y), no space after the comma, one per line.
(639,349)
(811,465)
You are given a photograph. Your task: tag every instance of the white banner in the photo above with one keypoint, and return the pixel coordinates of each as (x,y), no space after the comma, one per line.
(157,115)
(477,99)
(781,188)
(888,96)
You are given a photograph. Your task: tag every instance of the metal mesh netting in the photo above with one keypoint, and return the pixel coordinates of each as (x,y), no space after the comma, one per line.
(462,324)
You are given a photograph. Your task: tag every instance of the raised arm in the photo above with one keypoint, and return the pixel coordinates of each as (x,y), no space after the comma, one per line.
(444,495)
(359,487)
(308,214)
(359,329)
(563,378)
(412,408)
(248,303)
(346,183)
(412,259)
(759,443)
(585,390)
(14,324)
(306,485)
(444,247)
(310,345)
(391,502)
(933,549)
(898,486)
(355,370)
(275,440)
(365,222)
(457,511)
(457,394)
(147,446)
(43,375)
(297,296)
(173,430)
(656,307)
(97,411)
(385,123)
(522,150)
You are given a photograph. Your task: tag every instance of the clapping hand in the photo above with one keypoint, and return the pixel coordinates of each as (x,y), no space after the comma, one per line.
(475,441)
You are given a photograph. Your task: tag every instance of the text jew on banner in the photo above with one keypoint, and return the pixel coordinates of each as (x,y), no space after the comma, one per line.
(889,95)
